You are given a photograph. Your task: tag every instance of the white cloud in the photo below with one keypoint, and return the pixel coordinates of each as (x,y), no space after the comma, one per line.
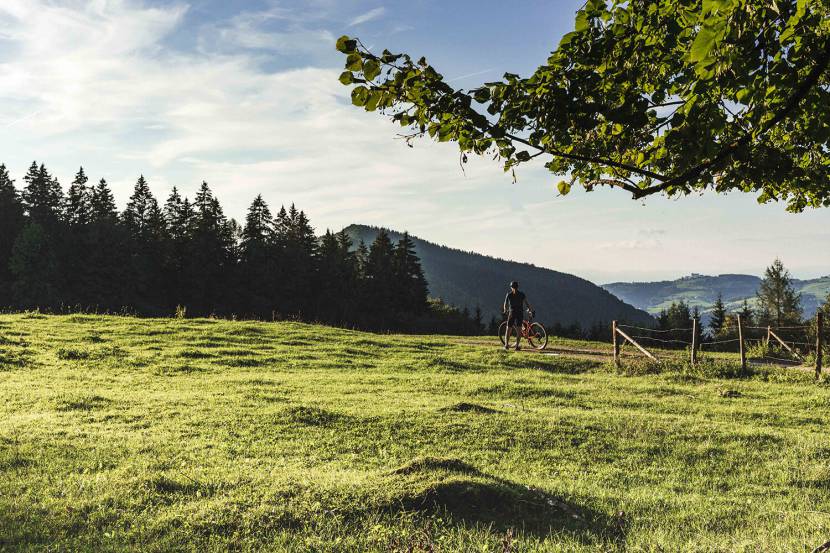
(371,15)
(106,90)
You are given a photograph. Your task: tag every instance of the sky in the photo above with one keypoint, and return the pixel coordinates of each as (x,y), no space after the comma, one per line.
(244,95)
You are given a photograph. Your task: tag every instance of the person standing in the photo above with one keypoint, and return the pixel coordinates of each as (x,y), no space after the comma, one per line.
(513,306)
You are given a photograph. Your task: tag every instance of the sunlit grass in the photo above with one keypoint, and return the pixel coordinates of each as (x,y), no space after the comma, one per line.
(157,435)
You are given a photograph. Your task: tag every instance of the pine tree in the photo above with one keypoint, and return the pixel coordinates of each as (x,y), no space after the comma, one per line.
(77,204)
(410,285)
(144,226)
(211,262)
(718,316)
(74,244)
(778,302)
(11,224)
(331,276)
(102,203)
(140,211)
(380,280)
(298,244)
(42,197)
(747,314)
(478,319)
(257,260)
(106,243)
(179,217)
(35,270)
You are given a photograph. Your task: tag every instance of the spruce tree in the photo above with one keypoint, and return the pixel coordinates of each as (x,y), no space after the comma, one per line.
(102,203)
(35,270)
(75,246)
(257,257)
(210,263)
(331,275)
(747,314)
(478,320)
(380,280)
(778,302)
(298,243)
(12,222)
(410,285)
(144,226)
(717,316)
(42,197)
(77,204)
(107,256)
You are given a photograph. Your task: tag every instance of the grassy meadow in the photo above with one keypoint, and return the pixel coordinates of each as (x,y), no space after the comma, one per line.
(119,434)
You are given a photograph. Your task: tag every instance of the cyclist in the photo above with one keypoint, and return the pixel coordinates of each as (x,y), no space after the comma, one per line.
(514,303)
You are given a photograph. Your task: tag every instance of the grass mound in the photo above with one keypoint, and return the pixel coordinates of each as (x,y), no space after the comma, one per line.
(449,487)
(465,407)
(312,416)
(80,402)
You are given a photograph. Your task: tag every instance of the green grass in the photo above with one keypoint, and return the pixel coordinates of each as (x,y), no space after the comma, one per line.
(158,435)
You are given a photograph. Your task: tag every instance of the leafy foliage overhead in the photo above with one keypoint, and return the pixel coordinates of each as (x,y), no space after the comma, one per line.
(649,96)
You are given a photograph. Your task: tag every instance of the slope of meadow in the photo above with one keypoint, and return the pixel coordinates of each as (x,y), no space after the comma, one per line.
(159,435)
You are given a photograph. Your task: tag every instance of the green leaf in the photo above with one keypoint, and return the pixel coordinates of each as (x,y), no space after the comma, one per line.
(564,187)
(360,95)
(346,77)
(373,100)
(371,69)
(354,62)
(581,21)
(482,95)
(346,45)
(523,156)
(703,45)
(567,39)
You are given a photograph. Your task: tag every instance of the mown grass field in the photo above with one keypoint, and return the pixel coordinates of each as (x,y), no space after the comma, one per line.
(197,435)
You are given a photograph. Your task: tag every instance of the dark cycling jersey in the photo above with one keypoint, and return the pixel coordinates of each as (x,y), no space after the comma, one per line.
(515,301)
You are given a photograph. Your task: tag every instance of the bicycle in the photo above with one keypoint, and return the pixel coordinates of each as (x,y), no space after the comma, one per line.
(534,333)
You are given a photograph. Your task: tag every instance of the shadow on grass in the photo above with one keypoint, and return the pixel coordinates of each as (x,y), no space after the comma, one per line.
(469,496)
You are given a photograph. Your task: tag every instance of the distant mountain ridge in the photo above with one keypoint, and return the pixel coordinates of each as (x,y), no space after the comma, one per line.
(468,279)
(702,291)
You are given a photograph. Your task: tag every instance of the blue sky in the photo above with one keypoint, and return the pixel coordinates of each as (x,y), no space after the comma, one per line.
(244,95)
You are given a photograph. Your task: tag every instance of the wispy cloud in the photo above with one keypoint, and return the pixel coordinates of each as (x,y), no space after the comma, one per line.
(469,75)
(371,15)
(110,95)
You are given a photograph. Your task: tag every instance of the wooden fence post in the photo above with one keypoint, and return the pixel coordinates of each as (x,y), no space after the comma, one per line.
(694,340)
(819,342)
(616,343)
(638,346)
(741,342)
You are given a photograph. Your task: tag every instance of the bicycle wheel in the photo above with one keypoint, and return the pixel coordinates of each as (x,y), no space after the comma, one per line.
(502,330)
(511,339)
(537,336)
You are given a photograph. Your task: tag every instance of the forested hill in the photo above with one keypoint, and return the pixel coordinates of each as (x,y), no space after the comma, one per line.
(703,290)
(468,279)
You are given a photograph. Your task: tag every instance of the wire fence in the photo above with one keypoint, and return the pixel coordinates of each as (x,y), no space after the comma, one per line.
(786,344)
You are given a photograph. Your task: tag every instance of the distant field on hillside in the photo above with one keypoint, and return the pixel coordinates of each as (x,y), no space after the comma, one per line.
(206,435)
(702,290)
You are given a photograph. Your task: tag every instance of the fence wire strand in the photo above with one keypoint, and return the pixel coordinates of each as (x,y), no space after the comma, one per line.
(662,340)
(654,329)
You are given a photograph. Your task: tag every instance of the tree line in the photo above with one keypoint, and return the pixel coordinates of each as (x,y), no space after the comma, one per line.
(75,251)
(777,305)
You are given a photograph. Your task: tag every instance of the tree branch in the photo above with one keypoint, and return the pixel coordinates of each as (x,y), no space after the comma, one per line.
(800,93)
